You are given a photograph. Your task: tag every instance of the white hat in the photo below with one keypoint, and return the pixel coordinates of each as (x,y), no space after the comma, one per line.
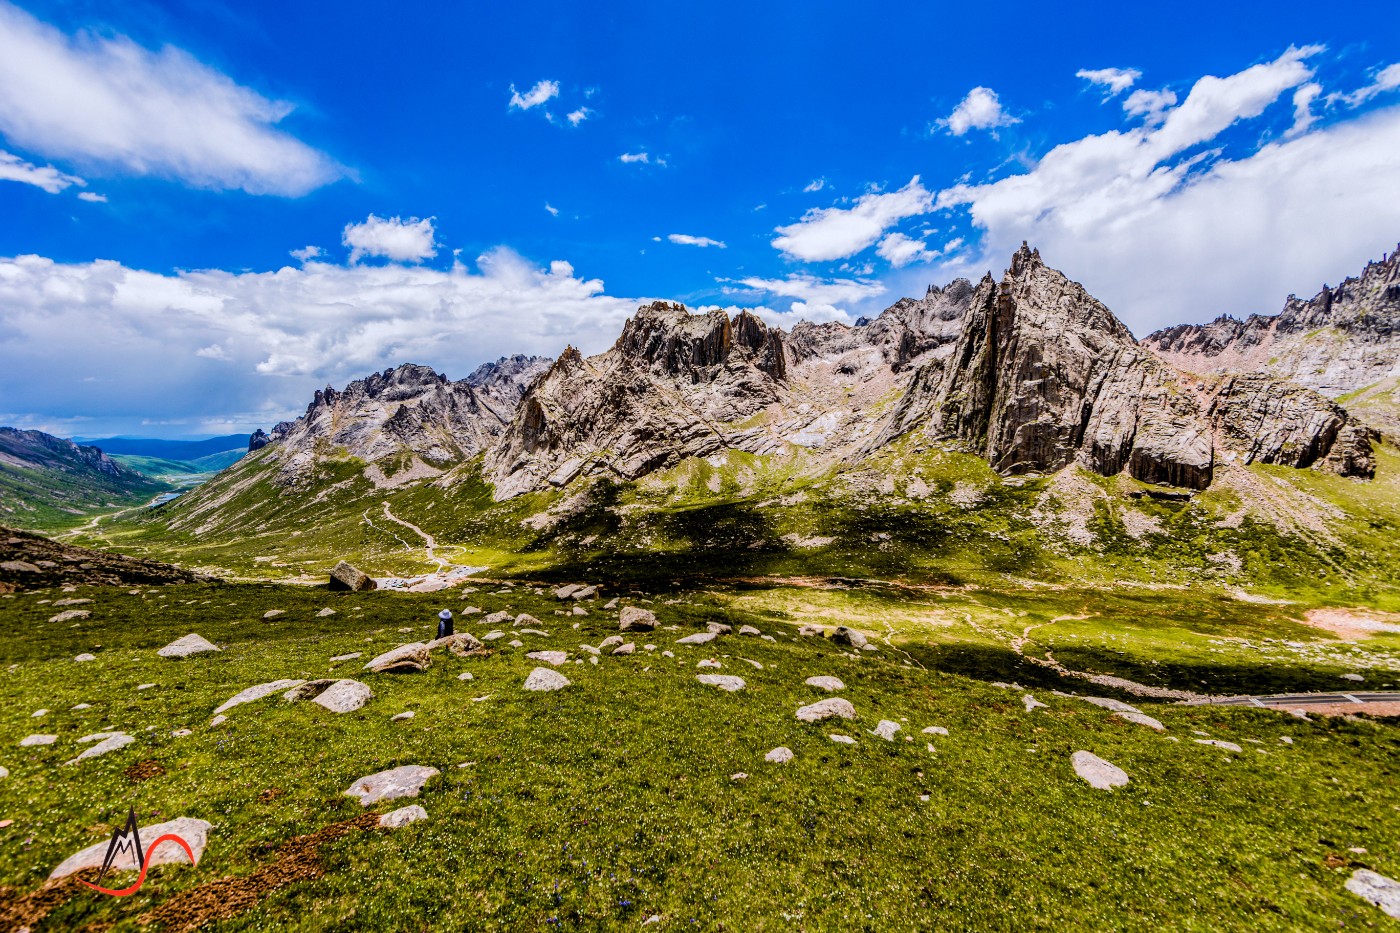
(445,614)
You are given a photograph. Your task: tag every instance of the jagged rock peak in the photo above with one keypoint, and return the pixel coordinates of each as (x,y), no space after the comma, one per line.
(258,440)
(670,339)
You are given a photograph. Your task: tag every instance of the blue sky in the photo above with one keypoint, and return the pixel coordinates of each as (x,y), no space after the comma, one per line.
(208,210)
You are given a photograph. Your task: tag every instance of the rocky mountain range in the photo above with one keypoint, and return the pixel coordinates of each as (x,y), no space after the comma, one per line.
(1029,371)
(1344,342)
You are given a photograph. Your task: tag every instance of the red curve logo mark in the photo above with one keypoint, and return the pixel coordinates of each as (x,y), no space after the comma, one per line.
(141,878)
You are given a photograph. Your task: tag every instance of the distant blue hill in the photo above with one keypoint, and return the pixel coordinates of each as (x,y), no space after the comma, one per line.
(168,450)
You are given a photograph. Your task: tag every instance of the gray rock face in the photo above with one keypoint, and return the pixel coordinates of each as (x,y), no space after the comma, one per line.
(344,696)
(1377,888)
(405,659)
(633,619)
(346,577)
(194,832)
(825,709)
(699,638)
(658,396)
(545,679)
(725,682)
(1043,375)
(848,636)
(309,690)
(827,683)
(184,647)
(397,819)
(1342,340)
(1100,774)
(404,781)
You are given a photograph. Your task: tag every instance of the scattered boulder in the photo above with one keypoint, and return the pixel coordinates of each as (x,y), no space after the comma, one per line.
(1378,889)
(85,657)
(403,781)
(466,675)
(544,678)
(841,739)
(109,744)
(400,717)
(633,619)
(274,613)
(325,613)
(1032,703)
(719,628)
(346,577)
(555,658)
(496,618)
(493,635)
(564,592)
(461,644)
(1358,678)
(69,615)
(824,682)
(699,638)
(584,592)
(811,631)
(412,658)
(610,641)
(780,755)
(626,648)
(347,657)
(1142,719)
(397,819)
(1100,774)
(218,720)
(525,619)
(194,832)
(344,696)
(611,604)
(848,636)
(309,690)
(725,682)
(181,733)
(748,630)
(71,602)
(184,647)
(38,740)
(824,709)
(1118,706)
(257,692)
(710,663)
(935,730)
(589,649)
(886,729)
(1228,746)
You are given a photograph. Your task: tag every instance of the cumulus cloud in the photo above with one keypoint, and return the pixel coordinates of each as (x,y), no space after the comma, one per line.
(814,185)
(13,168)
(542,92)
(575,117)
(1150,105)
(393,238)
(837,232)
(308,253)
(92,197)
(1165,233)
(686,240)
(641,157)
(1303,117)
(1387,79)
(249,348)
(112,104)
(809,288)
(900,250)
(979,110)
(554,211)
(1113,80)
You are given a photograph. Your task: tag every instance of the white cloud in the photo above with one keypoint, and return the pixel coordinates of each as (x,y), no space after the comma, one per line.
(576,117)
(307,253)
(1303,117)
(979,110)
(13,168)
(836,232)
(815,184)
(1151,105)
(92,197)
(251,347)
(539,94)
(686,240)
(394,239)
(1387,79)
(811,289)
(554,211)
(111,104)
(641,157)
(900,250)
(1114,80)
(1164,234)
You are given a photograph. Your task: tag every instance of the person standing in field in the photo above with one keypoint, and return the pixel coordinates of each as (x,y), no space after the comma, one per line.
(444,623)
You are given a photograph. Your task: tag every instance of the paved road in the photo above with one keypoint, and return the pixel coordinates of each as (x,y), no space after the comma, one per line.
(1295,700)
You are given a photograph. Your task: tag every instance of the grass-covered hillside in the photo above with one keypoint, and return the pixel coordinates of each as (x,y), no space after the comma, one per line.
(638,792)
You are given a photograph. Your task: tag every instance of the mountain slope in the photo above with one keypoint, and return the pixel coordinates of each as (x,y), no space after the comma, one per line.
(46,481)
(1344,342)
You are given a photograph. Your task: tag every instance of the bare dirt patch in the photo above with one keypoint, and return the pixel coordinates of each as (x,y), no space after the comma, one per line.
(1353,624)
(144,771)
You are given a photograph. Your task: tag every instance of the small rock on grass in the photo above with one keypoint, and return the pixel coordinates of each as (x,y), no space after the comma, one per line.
(723,681)
(634,619)
(1100,774)
(549,657)
(741,776)
(325,613)
(184,647)
(344,696)
(824,709)
(780,755)
(1228,746)
(274,613)
(400,717)
(397,819)
(848,636)
(748,630)
(218,720)
(841,739)
(1378,889)
(886,730)
(825,682)
(85,657)
(347,657)
(405,659)
(1142,719)
(465,675)
(181,733)
(709,663)
(935,730)
(1031,703)
(404,781)
(624,649)
(257,692)
(699,638)
(544,678)
(38,740)
(110,744)
(69,615)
